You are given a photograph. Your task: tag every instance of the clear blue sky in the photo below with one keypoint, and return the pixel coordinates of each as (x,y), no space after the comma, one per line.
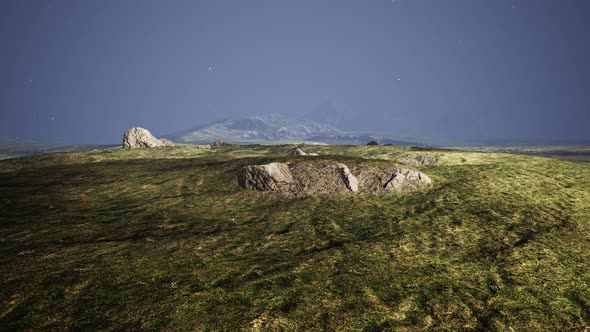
(80,71)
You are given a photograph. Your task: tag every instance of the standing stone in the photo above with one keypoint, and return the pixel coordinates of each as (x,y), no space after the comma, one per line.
(350,180)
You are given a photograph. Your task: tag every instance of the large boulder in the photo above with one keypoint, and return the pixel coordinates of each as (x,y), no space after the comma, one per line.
(264,177)
(137,137)
(407,180)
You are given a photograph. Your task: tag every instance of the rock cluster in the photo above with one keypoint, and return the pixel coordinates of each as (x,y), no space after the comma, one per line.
(298,152)
(418,160)
(306,178)
(137,137)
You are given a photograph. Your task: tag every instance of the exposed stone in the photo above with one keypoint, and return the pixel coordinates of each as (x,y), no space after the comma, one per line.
(265,177)
(217,143)
(137,137)
(418,160)
(320,178)
(407,180)
(166,142)
(298,152)
(350,180)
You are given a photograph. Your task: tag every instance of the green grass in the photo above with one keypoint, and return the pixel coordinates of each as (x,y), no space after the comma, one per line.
(164,238)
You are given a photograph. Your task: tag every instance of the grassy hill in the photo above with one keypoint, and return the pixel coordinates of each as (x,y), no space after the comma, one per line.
(164,238)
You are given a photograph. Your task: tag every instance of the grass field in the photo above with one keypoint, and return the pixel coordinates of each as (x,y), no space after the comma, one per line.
(573,153)
(165,239)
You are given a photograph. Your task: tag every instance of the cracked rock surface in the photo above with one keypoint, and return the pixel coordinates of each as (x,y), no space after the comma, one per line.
(306,179)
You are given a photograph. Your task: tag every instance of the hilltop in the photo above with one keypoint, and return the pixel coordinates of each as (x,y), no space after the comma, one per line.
(165,238)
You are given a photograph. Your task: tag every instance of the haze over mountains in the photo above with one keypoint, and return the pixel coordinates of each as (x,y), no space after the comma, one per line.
(278,129)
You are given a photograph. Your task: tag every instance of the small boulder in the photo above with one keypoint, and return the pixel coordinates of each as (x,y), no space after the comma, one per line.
(350,180)
(407,180)
(297,152)
(137,137)
(265,177)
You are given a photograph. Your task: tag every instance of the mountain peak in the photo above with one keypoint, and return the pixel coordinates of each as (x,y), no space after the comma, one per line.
(256,128)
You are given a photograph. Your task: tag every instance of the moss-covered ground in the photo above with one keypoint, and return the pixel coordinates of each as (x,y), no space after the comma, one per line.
(165,239)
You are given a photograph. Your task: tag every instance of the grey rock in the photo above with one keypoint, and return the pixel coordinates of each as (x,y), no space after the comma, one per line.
(166,142)
(304,178)
(407,180)
(137,137)
(267,177)
(418,160)
(350,180)
(298,152)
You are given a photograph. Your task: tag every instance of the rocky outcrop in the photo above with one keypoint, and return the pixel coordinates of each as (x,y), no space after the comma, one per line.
(137,137)
(406,180)
(265,177)
(418,160)
(317,178)
(298,152)
(350,180)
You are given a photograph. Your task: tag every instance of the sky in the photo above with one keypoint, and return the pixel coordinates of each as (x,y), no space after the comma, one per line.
(81,71)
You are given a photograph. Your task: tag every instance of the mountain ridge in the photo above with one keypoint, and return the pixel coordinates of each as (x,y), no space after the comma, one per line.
(277,129)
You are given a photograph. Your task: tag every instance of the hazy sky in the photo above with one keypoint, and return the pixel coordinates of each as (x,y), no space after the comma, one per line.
(84,71)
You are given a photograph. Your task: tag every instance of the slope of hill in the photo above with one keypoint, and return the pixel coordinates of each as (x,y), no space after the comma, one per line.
(165,239)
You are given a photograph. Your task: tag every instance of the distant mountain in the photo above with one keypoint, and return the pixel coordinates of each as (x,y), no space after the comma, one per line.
(257,128)
(277,129)
(360,138)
